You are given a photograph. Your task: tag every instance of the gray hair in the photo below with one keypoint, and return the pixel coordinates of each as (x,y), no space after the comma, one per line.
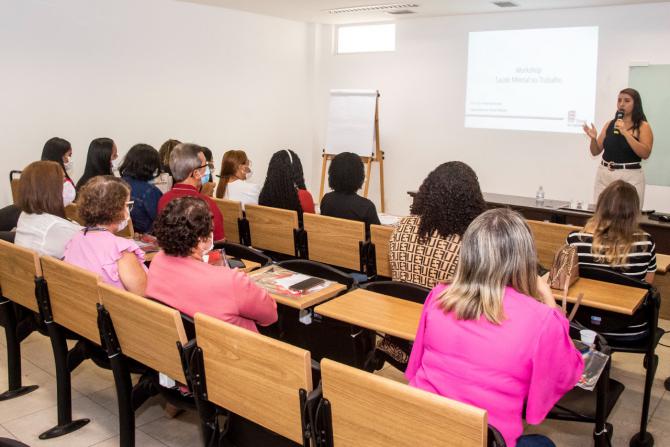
(184,160)
(497,251)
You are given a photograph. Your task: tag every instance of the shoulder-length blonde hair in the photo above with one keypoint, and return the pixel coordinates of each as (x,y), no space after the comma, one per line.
(615,223)
(230,163)
(497,251)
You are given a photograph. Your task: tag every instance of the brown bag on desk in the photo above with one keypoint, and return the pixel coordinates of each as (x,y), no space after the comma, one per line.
(565,268)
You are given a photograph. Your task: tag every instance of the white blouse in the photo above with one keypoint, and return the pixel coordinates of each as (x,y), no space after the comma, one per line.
(45,233)
(243,191)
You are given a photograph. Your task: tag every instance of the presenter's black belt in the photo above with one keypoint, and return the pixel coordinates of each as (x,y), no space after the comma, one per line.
(612,166)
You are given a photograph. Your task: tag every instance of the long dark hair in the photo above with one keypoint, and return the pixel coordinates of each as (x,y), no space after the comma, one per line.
(280,188)
(54,150)
(638,112)
(448,200)
(98,160)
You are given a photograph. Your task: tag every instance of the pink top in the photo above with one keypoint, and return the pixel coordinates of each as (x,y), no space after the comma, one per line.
(528,358)
(191,286)
(98,251)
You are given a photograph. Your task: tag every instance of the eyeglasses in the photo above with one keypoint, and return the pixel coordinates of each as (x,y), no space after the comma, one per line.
(130,205)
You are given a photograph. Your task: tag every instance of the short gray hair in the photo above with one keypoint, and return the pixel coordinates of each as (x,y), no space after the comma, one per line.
(184,160)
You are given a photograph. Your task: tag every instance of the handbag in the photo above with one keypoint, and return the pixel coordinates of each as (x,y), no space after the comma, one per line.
(564,272)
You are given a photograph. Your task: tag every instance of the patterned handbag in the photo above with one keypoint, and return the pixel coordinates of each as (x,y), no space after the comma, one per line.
(564,272)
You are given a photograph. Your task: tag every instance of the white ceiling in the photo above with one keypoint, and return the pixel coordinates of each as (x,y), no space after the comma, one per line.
(317,10)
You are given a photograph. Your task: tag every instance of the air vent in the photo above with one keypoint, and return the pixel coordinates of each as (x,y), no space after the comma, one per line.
(401,12)
(505,4)
(373,8)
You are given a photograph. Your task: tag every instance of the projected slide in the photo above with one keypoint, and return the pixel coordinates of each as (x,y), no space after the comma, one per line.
(536,79)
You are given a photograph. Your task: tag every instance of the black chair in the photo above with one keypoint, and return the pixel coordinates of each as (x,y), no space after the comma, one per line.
(243,252)
(323,337)
(381,354)
(607,323)
(6,442)
(494,438)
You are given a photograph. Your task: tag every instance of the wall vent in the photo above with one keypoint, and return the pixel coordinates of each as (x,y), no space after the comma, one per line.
(505,4)
(401,12)
(369,8)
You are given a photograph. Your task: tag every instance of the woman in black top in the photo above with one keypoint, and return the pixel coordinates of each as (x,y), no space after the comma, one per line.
(624,141)
(100,160)
(345,177)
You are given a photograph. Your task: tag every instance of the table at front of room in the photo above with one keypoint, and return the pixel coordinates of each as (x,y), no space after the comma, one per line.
(400,318)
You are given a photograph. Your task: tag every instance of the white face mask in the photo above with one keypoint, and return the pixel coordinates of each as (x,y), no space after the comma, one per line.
(116,163)
(69,193)
(205,253)
(249,174)
(69,165)
(122,225)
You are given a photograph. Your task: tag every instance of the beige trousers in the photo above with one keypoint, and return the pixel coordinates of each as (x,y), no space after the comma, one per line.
(604,177)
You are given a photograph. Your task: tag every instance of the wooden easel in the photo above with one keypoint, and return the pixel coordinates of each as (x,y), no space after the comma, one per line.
(367,161)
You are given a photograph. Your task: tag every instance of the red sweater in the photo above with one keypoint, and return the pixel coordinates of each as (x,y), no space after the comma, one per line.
(181,190)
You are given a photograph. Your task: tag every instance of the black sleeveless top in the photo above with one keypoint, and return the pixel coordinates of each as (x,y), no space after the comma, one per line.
(617,149)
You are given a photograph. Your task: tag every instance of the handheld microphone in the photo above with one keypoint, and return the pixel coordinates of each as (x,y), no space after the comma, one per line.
(618,116)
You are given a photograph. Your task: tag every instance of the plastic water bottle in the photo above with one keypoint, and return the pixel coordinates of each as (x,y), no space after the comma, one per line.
(539,195)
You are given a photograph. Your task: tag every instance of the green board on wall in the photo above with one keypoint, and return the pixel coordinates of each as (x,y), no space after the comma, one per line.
(653,83)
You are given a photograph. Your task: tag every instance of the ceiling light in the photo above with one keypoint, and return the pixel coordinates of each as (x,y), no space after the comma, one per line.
(372,8)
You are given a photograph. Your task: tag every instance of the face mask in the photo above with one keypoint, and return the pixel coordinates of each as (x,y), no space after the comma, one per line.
(123,225)
(249,173)
(116,163)
(68,166)
(205,253)
(205,178)
(69,193)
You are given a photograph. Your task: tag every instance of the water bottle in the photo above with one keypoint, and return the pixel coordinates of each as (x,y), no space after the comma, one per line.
(539,195)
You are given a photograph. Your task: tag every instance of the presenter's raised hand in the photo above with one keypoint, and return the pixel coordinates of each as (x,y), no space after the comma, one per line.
(592,132)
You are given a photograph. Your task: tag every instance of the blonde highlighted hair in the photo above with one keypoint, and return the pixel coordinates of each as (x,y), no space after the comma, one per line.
(497,251)
(615,223)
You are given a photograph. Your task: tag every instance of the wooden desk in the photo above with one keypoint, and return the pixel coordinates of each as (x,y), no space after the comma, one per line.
(375,311)
(662,263)
(604,295)
(305,301)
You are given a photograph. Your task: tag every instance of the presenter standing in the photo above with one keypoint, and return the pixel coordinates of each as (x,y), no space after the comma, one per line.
(625,141)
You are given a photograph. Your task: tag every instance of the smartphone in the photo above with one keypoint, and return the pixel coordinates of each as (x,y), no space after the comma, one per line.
(306,284)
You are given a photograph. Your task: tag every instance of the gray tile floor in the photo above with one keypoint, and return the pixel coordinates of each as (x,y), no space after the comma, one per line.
(94,397)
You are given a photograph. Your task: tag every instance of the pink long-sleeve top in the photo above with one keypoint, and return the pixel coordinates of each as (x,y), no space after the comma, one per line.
(528,358)
(191,286)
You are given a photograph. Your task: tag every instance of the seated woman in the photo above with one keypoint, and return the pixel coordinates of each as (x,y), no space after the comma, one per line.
(612,239)
(284,185)
(233,184)
(100,160)
(42,226)
(164,153)
(345,176)
(424,247)
(103,206)
(179,277)
(140,166)
(59,150)
(494,338)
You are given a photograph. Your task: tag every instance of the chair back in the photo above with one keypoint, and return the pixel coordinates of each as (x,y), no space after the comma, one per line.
(254,376)
(380,236)
(323,271)
(73,294)
(147,331)
(334,241)
(14,184)
(72,213)
(19,267)
(373,411)
(549,238)
(272,228)
(232,212)
(398,289)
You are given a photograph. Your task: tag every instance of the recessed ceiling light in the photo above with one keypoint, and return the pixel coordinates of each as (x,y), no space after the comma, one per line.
(372,8)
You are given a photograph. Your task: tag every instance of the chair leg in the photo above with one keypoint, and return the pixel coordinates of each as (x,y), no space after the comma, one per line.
(63,387)
(124,388)
(644,438)
(667,384)
(8,318)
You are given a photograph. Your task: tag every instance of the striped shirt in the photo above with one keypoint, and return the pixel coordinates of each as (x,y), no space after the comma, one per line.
(640,261)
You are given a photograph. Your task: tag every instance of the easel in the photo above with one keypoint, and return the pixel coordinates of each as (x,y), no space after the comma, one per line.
(378,156)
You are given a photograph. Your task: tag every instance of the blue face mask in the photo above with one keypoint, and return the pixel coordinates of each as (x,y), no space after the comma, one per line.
(205,178)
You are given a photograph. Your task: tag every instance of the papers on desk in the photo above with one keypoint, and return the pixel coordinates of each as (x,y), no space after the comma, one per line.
(148,243)
(278,280)
(594,364)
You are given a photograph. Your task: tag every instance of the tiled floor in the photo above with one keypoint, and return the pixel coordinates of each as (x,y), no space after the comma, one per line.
(94,397)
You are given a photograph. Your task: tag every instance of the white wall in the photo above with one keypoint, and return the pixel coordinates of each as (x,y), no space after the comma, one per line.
(423,96)
(149,70)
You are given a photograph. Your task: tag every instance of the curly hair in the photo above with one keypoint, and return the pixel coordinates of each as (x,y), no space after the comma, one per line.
(102,200)
(346,173)
(448,200)
(280,188)
(183,223)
